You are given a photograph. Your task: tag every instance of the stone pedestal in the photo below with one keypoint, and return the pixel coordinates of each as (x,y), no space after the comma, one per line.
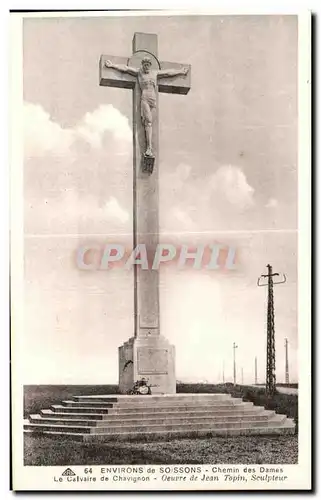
(150,357)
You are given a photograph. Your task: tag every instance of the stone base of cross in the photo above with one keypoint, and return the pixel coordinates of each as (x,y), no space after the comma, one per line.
(150,357)
(148,354)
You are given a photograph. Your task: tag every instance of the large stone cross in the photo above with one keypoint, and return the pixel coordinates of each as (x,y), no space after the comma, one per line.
(147,354)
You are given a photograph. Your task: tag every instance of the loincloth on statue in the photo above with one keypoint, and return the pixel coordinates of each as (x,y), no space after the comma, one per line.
(149,99)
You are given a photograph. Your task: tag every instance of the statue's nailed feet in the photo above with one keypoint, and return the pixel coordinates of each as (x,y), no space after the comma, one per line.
(149,153)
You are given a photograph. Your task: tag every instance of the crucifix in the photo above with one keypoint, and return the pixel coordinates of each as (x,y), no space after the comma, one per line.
(147,353)
(147,80)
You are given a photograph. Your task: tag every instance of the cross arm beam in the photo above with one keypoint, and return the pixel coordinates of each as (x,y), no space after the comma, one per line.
(171,79)
(264,276)
(111,77)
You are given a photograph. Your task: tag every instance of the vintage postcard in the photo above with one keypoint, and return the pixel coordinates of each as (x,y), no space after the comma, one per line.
(160,251)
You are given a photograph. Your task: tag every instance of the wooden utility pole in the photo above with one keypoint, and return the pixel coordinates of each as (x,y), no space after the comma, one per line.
(270,343)
(234,363)
(287,379)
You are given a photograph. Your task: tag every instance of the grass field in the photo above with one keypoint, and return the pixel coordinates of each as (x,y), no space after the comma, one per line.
(234,450)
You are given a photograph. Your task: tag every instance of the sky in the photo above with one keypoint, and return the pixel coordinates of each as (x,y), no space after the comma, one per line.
(227,173)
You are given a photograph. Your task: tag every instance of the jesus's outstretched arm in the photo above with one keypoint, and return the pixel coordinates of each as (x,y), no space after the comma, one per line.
(122,67)
(165,73)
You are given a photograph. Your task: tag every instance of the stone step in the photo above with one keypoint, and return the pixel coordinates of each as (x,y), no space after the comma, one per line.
(143,403)
(184,433)
(164,420)
(157,399)
(75,419)
(222,424)
(121,410)
(162,402)
(40,419)
(149,409)
(80,409)
(240,412)
(55,414)
(184,413)
(180,408)
(78,429)
(181,404)
(144,427)
(192,407)
(183,420)
(168,435)
(102,418)
(92,404)
(104,399)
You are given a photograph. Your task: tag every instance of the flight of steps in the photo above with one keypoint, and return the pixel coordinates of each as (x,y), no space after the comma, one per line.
(105,418)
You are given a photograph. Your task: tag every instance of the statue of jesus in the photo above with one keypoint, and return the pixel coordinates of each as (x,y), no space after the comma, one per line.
(147,79)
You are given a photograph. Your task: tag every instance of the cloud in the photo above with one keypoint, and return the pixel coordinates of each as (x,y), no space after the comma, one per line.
(87,207)
(114,210)
(272,203)
(72,212)
(105,118)
(231,184)
(43,136)
(84,184)
(193,201)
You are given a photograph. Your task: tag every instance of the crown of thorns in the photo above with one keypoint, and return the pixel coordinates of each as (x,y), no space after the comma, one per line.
(146,60)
